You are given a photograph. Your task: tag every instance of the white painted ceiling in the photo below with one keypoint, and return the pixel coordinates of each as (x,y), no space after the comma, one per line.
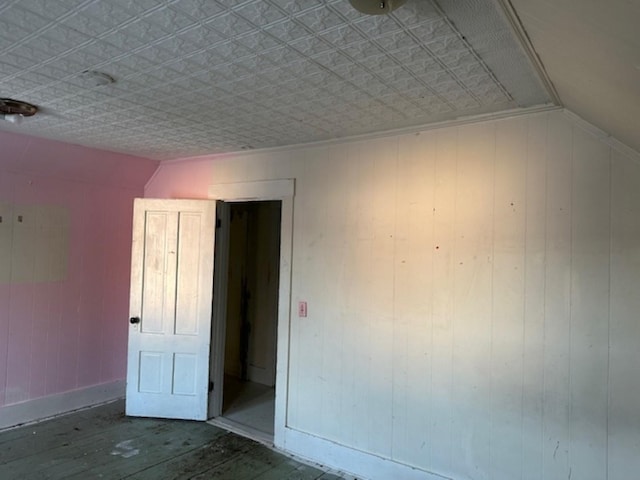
(591,52)
(203,76)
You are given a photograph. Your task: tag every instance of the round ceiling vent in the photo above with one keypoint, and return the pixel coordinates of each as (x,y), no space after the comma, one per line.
(9,106)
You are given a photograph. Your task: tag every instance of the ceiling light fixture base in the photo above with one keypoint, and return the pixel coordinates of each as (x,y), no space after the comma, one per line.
(13,111)
(9,106)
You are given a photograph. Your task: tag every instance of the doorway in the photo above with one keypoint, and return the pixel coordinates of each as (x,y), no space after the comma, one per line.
(250,321)
(176,346)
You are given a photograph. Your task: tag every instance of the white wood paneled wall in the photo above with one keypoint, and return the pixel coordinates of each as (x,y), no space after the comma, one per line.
(472,298)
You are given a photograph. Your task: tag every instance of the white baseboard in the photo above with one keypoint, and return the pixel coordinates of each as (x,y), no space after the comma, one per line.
(354,462)
(54,405)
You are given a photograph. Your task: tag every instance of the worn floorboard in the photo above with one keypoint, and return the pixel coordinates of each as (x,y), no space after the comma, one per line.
(102,443)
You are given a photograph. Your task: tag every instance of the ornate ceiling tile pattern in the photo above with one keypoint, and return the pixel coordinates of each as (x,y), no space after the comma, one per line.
(204,76)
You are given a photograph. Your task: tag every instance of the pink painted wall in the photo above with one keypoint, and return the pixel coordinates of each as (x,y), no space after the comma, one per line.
(57,336)
(189,178)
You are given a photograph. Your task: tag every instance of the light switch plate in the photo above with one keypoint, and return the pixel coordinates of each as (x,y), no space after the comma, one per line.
(302,309)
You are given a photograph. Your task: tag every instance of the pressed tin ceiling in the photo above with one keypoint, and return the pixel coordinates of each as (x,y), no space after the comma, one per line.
(202,76)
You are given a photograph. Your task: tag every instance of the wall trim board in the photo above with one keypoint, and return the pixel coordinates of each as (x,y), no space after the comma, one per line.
(602,135)
(349,460)
(483,117)
(54,405)
(259,190)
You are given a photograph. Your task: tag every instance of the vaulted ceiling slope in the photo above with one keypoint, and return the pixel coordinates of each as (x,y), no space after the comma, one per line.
(203,76)
(591,52)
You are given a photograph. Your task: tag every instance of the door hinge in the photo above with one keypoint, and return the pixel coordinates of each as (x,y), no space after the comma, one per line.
(210,387)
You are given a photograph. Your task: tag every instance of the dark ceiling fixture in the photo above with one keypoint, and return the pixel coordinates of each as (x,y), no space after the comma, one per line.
(376,7)
(14,110)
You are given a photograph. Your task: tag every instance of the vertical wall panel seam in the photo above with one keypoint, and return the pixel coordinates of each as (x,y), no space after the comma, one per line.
(12,199)
(32,335)
(106,270)
(492,290)
(453,313)
(354,202)
(434,150)
(48,327)
(61,316)
(344,158)
(571,253)
(453,273)
(82,229)
(544,292)
(49,320)
(58,320)
(609,311)
(323,215)
(524,293)
(394,318)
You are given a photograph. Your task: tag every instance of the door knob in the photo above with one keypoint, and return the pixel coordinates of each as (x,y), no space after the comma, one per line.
(134,320)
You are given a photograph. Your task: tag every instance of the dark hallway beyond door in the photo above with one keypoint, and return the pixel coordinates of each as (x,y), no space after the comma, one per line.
(252,316)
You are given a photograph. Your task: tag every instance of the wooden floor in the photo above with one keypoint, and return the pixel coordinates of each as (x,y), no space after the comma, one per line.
(249,403)
(102,443)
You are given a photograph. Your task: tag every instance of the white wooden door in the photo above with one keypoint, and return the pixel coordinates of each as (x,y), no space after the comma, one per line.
(170,308)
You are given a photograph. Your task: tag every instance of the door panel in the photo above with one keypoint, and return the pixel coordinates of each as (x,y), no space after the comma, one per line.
(171,292)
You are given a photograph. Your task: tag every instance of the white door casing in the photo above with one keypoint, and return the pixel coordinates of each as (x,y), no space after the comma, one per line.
(171,290)
(284,190)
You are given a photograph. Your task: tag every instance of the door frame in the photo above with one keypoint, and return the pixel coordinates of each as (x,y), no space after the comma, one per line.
(284,191)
